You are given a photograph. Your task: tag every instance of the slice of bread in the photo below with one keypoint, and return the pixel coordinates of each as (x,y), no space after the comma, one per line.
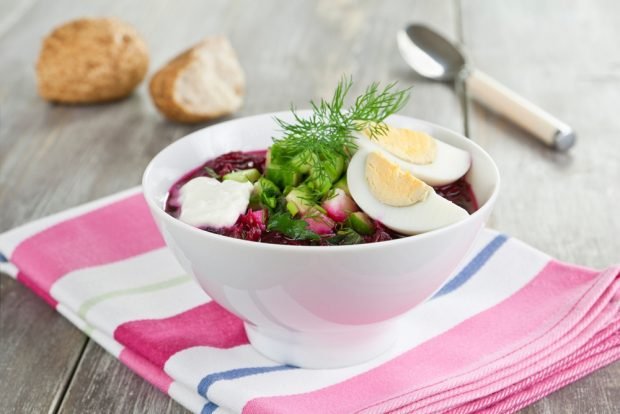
(91,60)
(203,83)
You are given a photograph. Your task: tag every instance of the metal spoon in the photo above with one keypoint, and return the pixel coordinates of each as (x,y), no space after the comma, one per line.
(432,56)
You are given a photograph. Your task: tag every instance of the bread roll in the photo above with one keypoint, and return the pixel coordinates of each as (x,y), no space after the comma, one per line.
(203,83)
(91,60)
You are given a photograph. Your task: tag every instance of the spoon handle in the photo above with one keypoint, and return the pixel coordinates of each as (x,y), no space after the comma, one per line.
(495,96)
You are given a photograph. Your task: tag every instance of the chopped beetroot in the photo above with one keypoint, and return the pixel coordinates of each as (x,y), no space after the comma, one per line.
(237,160)
(274,237)
(259,217)
(381,233)
(252,225)
(460,193)
(249,226)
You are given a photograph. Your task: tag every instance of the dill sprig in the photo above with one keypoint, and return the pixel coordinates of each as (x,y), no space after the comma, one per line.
(325,138)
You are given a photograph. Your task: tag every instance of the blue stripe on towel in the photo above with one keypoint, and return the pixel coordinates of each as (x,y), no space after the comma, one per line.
(456,282)
(206,382)
(473,266)
(208,408)
(3,258)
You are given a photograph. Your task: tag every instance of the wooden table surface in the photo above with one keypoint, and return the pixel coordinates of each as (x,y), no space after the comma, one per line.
(564,57)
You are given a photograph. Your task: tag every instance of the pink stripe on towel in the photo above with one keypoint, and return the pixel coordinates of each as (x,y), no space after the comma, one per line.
(115,232)
(605,343)
(159,339)
(482,339)
(569,337)
(560,379)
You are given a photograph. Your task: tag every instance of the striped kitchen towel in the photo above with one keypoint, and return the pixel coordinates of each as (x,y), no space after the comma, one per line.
(510,327)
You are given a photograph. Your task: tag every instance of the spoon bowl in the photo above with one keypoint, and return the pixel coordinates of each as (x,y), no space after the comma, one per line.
(430,54)
(434,57)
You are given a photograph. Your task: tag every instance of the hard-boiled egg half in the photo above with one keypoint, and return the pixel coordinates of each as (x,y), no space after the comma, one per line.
(391,177)
(429,159)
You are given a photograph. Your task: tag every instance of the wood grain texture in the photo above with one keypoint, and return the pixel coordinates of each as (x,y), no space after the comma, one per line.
(102,384)
(54,157)
(597,393)
(38,351)
(566,60)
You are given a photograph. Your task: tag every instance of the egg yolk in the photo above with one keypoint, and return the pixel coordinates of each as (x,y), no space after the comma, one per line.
(416,147)
(391,185)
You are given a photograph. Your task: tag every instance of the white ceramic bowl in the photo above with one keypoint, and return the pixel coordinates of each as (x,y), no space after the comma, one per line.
(313,306)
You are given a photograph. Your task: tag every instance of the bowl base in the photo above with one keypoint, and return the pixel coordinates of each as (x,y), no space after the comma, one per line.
(317,350)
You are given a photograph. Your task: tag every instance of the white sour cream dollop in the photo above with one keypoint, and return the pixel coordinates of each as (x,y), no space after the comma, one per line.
(206,202)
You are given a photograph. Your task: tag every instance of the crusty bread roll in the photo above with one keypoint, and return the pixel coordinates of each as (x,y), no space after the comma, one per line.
(91,60)
(203,83)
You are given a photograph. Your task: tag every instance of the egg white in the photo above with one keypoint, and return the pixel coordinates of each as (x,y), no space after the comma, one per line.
(432,213)
(450,164)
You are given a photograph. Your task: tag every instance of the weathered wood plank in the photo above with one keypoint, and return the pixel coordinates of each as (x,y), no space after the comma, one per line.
(597,393)
(101,384)
(53,157)
(564,59)
(38,351)
(109,145)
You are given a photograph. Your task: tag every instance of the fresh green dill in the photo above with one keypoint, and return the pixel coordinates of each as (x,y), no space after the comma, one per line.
(321,141)
(346,237)
(284,223)
(211,172)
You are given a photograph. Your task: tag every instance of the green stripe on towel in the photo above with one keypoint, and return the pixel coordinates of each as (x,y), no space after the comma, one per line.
(86,306)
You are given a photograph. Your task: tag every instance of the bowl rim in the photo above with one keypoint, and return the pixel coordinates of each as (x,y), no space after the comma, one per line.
(241,243)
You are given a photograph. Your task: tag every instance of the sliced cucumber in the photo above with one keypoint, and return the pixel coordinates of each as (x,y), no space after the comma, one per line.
(265,193)
(283,177)
(361,223)
(252,175)
(343,185)
(319,184)
(334,168)
(301,198)
(303,162)
(292,208)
